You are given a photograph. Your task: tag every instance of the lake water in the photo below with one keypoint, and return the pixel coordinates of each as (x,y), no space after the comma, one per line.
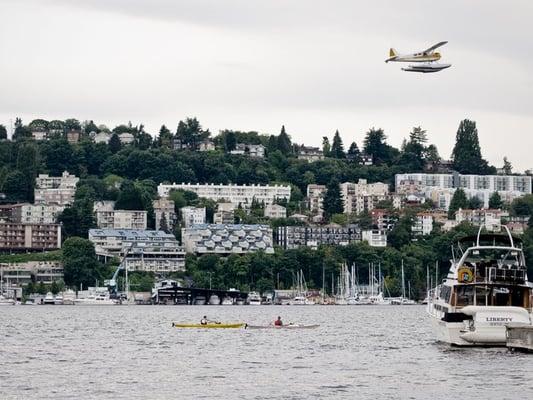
(132,352)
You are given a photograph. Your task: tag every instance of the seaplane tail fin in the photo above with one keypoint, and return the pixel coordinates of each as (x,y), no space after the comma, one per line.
(392,52)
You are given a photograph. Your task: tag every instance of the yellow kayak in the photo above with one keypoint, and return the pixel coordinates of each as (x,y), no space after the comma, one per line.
(209,326)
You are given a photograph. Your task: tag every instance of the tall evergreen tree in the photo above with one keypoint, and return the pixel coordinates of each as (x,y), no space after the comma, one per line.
(337,148)
(332,199)
(164,138)
(326,147)
(3,132)
(191,133)
(375,145)
(458,201)
(466,154)
(163,224)
(475,203)
(353,153)
(495,201)
(284,142)
(507,166)
(114,143)
(230,141)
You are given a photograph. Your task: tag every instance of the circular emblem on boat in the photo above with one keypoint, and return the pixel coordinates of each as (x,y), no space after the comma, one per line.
(465,275)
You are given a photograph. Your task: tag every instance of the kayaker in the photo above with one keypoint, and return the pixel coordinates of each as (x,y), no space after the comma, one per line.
(204,320)
(278,322)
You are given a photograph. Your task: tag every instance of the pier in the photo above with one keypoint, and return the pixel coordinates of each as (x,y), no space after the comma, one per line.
(191,296)
(520,337)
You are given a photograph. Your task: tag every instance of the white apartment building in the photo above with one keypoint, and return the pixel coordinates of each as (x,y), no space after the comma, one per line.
(58,190)
(315,198)
(109,218)
(362,196)
(192,216)
(154,251)
(491,220)
(275,211)
(227,239)
(236,194)
(36,213)
(164,207)
(375,238)
(442,186)
(225,213)
(423,224)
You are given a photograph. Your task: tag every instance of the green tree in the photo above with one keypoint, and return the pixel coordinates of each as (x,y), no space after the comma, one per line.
(337,148)
(507,166)
(164,138)
(21,131)
(129,197)
(466,154)
(523,206)
(375,145)
(326,147)
(458,201)
(191,133)
(475,203)
(230,141)
(353,153)
(79,263)
(3,132)
(114,143)
(16,187)
(332,199)
(495,201)
(284,142)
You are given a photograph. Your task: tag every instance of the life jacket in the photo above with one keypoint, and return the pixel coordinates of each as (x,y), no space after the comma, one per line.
(278,322)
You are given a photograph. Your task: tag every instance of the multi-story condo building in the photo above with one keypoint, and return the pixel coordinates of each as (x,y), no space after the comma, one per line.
(227,239)
(422,224)
(362,196)
(109,218)
(491,220)
(58,190)
(25,237)
(144,250)
(383,220)
(310,154)
(23,273)
(481,186)
(291,237)
(315,199)
(236,194)
(225,213)
(164,207)
(35,213)
(192,216)
(375,237)
(275,211)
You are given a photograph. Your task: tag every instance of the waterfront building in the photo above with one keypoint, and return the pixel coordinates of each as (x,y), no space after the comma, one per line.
(22,273)
(145,250)
(275,211)
(362,196)
(29,237)
(58,190)
(109,218)
(310,154)
(291,237)
(315,199)
(491,220)
(227,238)
(441,187)
(164,207)
(242,195)
(375,237)
(225,213)
(192,216)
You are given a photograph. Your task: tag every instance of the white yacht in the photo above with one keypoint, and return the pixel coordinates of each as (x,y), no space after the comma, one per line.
(58,299)
(254,299)
(49,298)
(96,299)
(214,300)
(227,301)
(6,302)
(486,289)
(68,297)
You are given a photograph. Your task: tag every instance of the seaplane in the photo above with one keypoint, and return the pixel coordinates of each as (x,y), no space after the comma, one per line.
(426,59)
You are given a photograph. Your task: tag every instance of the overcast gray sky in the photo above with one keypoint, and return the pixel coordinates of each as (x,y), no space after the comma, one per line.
(313,65)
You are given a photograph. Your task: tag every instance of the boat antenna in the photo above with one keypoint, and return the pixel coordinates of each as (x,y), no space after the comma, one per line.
(478,235)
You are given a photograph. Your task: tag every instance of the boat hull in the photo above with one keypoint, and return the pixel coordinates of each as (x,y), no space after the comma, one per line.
(293,326)
(209,326)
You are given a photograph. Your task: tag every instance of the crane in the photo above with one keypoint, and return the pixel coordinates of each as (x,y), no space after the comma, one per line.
(112,283)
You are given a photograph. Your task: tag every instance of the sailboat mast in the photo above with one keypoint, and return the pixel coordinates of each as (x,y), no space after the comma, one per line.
(403,282)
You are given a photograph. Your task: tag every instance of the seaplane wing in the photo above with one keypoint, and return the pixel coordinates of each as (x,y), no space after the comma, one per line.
(435,46)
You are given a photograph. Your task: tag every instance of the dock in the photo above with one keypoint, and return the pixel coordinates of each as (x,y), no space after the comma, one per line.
(520,337)
(190,295)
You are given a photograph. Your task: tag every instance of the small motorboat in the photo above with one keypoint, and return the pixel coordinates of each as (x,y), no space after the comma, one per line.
(214,300)
(227,301)
(210,325)
(49,298)
(289,326)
